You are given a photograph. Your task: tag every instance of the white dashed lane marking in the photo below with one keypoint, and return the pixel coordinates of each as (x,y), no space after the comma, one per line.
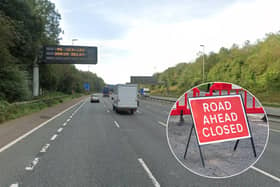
(38,127)
(116,123)
(161,123)
(32,164)
(60,129)
(45,148)
(14,185)
(53,137)
(166,112)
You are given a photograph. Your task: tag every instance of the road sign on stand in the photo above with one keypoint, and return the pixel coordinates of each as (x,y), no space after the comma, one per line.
(218,119)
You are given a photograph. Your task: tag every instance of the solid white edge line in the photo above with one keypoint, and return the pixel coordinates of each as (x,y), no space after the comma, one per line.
(266,173)
(60,129)
(36,128)
(155,182)
(14,185)
(116,123)
(45,148)
(53,137)
(161,123)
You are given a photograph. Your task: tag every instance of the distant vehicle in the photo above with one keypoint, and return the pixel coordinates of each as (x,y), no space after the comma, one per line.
(94,99)
(125,98)
(145,92)
(106,91)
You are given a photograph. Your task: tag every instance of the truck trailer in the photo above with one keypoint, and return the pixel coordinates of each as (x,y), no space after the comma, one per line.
(106,92)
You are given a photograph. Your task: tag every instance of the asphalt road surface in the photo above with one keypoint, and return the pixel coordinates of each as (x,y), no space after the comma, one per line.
(219,158)
(90,145)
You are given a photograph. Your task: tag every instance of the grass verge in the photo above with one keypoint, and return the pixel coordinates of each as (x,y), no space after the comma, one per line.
(12,111)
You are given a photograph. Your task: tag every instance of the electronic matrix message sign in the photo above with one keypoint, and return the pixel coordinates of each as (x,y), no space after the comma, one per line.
(63,54)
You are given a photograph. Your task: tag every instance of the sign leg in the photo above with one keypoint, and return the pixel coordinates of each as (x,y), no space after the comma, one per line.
(190,134)
(200,152)
(253,145)
(252,141)
(201,156)
(181,116)
(235,146)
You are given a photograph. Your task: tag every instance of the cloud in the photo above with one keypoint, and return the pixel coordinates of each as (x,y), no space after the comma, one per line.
(149,45)
(84,20)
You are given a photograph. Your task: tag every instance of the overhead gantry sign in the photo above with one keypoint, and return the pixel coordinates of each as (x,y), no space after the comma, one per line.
(64,54)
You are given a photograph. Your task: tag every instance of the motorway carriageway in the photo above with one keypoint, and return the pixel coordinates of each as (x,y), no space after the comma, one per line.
(90,145)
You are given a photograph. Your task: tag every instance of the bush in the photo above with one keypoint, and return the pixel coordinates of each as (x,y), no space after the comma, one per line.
(13,84)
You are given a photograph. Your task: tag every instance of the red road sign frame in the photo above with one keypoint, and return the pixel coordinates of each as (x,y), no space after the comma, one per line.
(198,115)
(218,86)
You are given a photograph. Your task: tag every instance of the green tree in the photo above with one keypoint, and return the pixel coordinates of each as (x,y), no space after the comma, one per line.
(253,66)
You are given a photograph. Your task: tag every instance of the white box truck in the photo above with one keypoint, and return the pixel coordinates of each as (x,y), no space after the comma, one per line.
(145,92)
(125,98)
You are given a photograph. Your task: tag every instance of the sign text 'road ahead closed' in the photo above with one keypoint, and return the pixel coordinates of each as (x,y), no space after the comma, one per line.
(219,119)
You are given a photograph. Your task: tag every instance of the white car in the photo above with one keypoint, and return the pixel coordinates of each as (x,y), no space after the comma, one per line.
(94,99)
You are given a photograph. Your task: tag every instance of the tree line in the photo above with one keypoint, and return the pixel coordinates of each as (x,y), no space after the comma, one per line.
(254,66)
(25,26)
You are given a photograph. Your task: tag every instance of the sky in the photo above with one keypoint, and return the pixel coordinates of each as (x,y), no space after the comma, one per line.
(142,37)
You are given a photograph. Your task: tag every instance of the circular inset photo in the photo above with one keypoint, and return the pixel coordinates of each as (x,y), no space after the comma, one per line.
(217,130)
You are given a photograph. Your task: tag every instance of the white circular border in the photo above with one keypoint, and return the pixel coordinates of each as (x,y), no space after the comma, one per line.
(211,177)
